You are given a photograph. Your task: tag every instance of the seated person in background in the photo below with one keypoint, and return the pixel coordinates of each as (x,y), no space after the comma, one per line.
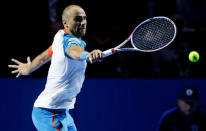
(187,116)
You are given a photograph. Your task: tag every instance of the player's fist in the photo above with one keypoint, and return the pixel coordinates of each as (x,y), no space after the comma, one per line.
(95,55)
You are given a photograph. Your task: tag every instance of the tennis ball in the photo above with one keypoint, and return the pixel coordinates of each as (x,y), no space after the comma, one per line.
(194,56)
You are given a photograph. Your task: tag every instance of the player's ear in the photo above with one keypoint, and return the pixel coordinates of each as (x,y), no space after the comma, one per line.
(64,22)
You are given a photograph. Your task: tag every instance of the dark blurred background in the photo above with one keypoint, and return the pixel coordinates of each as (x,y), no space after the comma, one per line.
(28,28)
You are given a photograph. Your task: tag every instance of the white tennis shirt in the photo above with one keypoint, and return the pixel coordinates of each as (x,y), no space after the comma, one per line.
(65,76)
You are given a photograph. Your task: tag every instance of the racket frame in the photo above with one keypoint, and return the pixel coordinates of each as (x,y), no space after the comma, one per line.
(117,48)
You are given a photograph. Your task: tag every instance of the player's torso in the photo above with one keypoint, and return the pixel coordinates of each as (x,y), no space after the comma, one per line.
(65,78)
(179,122)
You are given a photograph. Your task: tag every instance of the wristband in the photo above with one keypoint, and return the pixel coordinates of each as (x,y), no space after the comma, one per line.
(83,55)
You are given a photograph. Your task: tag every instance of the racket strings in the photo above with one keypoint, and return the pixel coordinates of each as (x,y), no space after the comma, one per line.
(153,35)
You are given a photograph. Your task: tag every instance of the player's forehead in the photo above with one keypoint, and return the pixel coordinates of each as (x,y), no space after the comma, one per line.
(77,11)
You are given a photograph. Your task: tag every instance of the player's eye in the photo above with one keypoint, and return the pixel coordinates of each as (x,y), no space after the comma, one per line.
(80,18)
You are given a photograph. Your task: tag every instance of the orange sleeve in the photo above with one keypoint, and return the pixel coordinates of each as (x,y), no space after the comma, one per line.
(50,52)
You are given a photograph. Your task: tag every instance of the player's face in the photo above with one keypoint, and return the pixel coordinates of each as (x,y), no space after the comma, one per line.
(184,107)
(78,23)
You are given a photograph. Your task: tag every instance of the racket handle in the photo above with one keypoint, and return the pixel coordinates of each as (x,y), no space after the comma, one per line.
(105,54)
(108,52)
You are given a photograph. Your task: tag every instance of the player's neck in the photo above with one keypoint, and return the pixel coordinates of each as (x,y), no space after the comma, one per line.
(66,31)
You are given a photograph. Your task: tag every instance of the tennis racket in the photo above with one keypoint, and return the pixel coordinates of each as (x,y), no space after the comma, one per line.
(151,35)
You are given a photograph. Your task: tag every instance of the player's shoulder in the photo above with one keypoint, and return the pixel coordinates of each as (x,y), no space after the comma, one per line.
(171,112)
(70,39)
(74,40)
(202,109)
(59,34)
(202,114)
(169,115)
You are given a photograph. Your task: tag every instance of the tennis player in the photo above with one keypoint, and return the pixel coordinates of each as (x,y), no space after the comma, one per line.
(66,73)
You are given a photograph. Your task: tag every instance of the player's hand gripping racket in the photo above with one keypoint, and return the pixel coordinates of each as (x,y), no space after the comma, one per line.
(151,35)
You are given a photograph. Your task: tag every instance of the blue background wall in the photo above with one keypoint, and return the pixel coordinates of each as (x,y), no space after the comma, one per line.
(103,104)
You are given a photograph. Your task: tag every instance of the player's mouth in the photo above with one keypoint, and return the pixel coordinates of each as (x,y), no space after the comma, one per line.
(82,28)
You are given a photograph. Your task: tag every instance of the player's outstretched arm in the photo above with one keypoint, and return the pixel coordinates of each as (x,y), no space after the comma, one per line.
(27,68)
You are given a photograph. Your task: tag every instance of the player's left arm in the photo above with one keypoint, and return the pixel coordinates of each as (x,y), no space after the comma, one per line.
(27,68)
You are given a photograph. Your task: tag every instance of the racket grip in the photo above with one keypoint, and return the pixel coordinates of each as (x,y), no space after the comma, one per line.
(108,52)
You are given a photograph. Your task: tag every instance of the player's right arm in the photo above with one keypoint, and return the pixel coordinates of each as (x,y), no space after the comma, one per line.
(27,68)
(76,53)
(74,48)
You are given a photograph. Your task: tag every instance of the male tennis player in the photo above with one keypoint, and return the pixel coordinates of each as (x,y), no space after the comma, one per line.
(66,72)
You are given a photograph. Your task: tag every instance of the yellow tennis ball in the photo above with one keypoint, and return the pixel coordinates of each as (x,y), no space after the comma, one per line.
(194,56)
